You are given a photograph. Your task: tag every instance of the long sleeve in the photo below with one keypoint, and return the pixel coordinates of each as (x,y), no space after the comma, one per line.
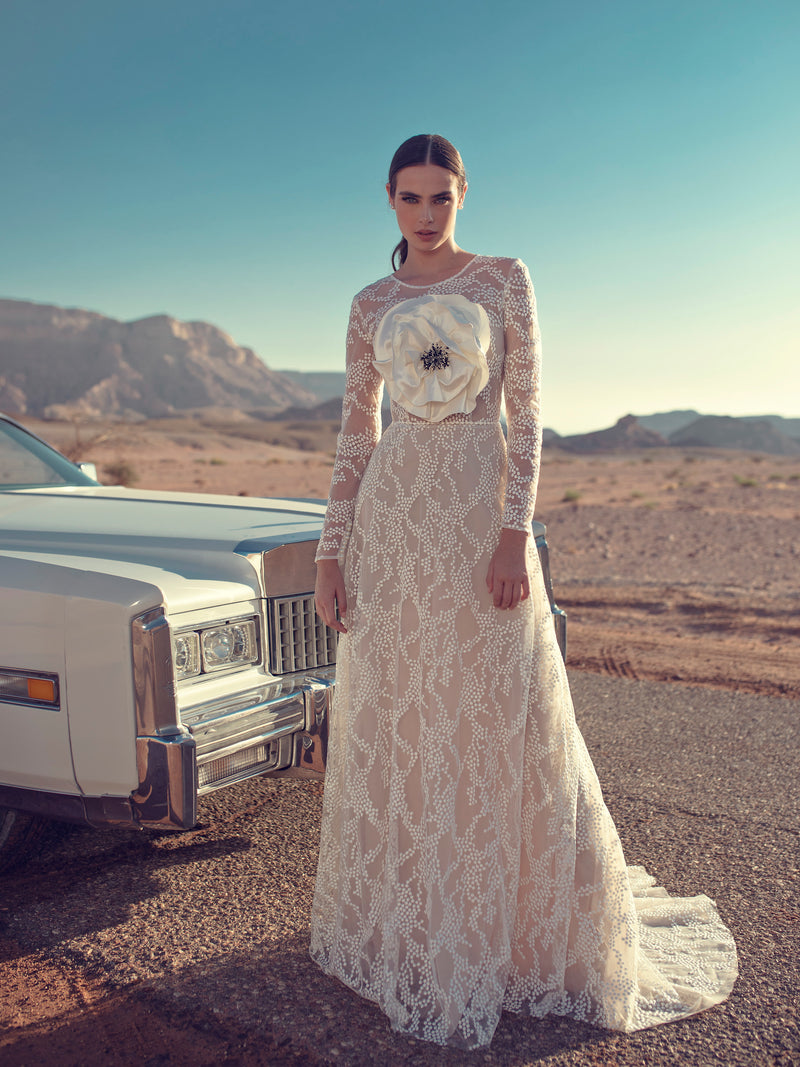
(361,428)
(521,391)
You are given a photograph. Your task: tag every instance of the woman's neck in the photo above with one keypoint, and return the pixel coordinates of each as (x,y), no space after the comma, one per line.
(421,268)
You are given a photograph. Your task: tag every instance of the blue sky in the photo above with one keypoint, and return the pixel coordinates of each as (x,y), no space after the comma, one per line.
(225,161)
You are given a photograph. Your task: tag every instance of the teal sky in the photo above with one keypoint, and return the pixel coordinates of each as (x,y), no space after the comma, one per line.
(225,161)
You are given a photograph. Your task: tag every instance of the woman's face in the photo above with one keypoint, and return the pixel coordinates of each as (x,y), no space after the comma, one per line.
(426,199)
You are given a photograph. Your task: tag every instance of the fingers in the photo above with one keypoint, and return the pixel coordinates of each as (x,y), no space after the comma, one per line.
(508,594)
(328,594)
(326,609)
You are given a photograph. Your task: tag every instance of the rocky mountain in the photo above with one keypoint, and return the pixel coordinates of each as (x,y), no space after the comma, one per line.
(723,431)
(627,433)
(324,384)
(667,422)
(670,422)
(62,362)
(686,429)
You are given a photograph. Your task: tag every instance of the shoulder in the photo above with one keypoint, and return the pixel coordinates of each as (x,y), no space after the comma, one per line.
(508,270)
(375,290)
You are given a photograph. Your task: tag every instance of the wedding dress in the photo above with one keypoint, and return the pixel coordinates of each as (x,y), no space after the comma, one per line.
(468,863)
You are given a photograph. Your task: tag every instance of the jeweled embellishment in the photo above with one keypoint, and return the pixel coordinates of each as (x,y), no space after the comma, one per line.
(436,357)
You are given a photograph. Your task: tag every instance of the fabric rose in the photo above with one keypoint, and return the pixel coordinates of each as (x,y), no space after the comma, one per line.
(431,352)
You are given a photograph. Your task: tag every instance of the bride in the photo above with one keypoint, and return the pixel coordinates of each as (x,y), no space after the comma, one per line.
(467,863)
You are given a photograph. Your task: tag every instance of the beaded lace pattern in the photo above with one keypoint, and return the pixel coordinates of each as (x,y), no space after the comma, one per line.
(467,862)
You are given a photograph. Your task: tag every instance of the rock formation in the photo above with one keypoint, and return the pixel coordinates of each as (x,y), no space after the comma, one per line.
(63,362)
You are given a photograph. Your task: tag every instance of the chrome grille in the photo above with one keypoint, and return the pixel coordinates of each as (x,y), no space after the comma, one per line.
(299,640)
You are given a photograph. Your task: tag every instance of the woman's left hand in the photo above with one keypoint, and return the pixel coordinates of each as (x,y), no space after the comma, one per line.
(507,577)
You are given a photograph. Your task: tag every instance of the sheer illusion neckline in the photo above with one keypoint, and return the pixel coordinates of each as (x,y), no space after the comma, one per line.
(441,281)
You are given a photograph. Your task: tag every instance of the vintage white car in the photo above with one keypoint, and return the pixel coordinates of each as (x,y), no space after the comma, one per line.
(153,646)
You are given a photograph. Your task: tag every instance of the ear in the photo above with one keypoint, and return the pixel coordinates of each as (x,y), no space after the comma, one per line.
(463,194)
(389,194)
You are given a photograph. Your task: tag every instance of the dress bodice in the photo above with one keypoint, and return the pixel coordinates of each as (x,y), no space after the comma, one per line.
(501,290)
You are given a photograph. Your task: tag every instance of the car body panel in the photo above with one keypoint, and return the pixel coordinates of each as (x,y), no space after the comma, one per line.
(96,582)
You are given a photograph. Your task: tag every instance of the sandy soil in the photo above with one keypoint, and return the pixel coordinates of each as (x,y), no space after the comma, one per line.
(672,565)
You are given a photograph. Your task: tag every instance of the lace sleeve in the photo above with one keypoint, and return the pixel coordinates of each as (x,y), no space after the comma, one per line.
(521,392)
(361,428)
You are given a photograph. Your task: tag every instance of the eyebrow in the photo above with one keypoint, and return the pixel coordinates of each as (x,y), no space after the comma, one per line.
(410,192)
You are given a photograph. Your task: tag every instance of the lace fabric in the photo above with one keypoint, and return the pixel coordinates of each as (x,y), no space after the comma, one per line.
(467,862)
(502,287)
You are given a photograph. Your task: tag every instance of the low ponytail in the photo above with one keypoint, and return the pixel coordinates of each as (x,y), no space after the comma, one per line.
(400,253)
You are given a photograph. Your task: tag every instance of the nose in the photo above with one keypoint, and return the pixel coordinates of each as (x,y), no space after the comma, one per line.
(425,213)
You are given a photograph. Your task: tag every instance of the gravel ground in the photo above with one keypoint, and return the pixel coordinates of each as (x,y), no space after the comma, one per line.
(211,926)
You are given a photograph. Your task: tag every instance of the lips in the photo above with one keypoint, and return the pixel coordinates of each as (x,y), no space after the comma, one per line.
(425,234)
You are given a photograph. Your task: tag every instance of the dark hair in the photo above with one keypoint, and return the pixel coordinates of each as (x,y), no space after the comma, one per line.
(423,148)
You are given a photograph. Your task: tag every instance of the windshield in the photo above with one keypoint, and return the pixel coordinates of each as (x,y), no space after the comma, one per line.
(28,463)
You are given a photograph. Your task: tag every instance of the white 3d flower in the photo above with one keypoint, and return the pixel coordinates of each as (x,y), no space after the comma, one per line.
(431,352)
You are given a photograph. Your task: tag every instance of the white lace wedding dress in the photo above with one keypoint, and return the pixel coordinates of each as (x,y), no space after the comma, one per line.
(468,863)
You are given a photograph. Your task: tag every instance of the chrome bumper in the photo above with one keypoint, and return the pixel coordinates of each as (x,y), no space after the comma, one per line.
(229,741)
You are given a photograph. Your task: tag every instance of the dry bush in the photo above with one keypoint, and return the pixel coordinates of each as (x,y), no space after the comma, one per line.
(121,473)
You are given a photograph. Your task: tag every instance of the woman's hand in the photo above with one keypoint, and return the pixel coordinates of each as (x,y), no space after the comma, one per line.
(329,593)
(507,577)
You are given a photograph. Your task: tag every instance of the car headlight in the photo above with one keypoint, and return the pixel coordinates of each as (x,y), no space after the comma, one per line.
(186,654)
(229,646)
(215,648)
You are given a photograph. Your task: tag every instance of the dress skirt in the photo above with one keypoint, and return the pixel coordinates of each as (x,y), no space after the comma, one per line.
(467,861)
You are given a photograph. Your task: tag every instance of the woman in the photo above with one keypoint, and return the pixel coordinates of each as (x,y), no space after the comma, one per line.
(467,862)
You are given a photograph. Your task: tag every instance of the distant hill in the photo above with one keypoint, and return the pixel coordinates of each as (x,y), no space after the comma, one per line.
(62,362)
(668,422)
(723,431)
(790,427)
(627,433)
(326,410)
(325,385)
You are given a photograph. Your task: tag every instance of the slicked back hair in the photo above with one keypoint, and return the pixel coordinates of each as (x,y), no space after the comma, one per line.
(423,148)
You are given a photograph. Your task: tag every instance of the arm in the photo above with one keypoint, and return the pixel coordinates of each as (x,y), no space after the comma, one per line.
(507,577)
(361,428)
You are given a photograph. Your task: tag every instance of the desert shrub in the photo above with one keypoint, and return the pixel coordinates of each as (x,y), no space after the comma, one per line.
(571,496)
(215,461)
(746,483)
(121,473)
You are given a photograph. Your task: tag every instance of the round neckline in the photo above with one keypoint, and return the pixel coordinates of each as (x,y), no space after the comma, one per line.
(441,281)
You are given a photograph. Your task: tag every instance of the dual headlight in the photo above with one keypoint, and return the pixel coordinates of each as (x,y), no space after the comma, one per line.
(215,648)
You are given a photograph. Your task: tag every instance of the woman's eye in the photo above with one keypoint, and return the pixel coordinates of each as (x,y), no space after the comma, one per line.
(409,199)
(443,200)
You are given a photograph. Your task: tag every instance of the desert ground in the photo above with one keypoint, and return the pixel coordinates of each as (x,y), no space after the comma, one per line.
(673,564)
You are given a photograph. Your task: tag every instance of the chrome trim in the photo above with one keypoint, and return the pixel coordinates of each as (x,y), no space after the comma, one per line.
(229,731)
(166,796)
(559,616)
(289,567)
(311,746)
(298,639)
(155,698)
(279,756)
(200,628)
(560,623)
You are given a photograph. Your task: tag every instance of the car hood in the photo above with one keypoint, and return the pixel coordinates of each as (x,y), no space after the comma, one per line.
(199,538)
